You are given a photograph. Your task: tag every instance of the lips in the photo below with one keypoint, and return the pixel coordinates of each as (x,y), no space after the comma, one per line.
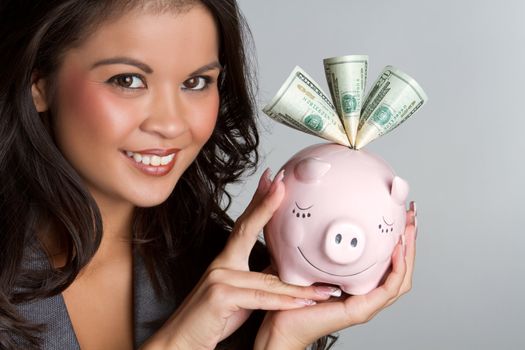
(154,162)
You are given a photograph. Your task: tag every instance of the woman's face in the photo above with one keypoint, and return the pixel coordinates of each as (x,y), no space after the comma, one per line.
(137,101)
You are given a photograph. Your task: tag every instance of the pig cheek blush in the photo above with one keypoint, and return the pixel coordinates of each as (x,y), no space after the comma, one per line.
(300,212)
(335,224)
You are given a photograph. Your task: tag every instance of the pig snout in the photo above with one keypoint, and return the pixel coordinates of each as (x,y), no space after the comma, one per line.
(344,242)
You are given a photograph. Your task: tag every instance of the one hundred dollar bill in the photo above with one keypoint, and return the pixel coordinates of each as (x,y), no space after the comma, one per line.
(301,104)
(394,97)
(346,77)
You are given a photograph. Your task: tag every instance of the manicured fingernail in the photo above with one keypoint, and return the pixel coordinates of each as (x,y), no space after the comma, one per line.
(305,301)
(328,291)
(278,178)
(413,207)
(268,174)
(265,180)
(404,244)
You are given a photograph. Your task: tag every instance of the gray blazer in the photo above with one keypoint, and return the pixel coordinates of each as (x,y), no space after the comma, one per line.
(149,311)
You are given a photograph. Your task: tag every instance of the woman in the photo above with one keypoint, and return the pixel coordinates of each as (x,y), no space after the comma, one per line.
(121,123)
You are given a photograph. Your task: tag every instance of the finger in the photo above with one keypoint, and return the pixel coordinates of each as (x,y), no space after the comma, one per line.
(388,292)
(410,216)
(410,255)
(413,207)
(246,230)
(271,283)
(262,189)
(235,299)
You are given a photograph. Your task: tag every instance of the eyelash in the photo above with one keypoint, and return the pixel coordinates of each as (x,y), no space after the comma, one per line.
(203,79)
(114,81)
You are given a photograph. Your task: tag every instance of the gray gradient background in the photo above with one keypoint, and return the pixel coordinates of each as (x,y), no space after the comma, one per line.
(462,153)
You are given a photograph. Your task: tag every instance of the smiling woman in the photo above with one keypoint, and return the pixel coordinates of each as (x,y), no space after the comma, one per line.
(121,123)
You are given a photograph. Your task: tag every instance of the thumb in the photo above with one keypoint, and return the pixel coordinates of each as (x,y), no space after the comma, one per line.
(250,224)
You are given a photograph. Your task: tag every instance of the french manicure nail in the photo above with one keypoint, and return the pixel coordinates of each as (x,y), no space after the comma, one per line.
(278,178)
(268,175)
(413,207)
(305,301)
(328,291)
(265,181)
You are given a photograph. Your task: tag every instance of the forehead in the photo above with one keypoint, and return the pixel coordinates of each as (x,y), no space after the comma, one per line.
(153,37)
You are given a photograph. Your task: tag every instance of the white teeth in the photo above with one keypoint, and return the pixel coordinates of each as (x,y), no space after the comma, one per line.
(167,159)
(150,160)
(155,160)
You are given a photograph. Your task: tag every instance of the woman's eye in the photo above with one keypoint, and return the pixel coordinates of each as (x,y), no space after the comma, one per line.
(128,81)
(196,83)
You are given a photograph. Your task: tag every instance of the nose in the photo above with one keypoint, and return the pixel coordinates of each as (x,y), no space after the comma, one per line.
(344,242)
(167,114)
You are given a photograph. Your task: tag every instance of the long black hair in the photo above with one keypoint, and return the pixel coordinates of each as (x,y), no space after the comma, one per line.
(39,186)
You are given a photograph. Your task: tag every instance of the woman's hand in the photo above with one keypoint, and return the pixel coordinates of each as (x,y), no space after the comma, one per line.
(228,291)
(296,329)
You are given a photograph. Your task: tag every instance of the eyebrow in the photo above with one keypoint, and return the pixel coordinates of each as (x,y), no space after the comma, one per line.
(123,60)
(147,69)
(210,66)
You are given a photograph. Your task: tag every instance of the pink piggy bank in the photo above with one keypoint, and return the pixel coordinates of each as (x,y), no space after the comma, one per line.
(341,217)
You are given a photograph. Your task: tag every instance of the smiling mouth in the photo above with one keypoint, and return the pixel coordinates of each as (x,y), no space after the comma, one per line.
(151,164)
(329,273)
(150,159)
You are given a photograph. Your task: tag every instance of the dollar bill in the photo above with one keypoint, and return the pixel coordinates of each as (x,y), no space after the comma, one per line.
(301,104)
(394,97)
(346,77)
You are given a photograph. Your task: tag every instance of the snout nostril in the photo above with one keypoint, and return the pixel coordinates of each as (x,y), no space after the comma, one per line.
(338,238)
(353,242)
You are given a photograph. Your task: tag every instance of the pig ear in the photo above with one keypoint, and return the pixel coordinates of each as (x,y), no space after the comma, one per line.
(399,190)
(311,170)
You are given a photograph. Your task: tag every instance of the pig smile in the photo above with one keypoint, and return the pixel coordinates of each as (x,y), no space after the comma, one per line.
(329,273)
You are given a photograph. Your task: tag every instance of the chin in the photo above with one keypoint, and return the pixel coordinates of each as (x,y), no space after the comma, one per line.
(150,200)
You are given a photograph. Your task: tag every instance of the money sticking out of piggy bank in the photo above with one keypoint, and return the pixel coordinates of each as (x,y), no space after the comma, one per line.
(341,217)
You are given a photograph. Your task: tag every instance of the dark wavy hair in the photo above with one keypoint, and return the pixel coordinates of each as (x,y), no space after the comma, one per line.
(39,186)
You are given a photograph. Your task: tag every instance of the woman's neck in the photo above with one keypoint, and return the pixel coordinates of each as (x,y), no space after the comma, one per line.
(116,236)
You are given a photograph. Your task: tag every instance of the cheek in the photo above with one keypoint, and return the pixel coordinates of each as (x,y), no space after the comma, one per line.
(203,123)
(92,113)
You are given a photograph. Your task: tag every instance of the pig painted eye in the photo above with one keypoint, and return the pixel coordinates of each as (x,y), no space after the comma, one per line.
(301,212)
